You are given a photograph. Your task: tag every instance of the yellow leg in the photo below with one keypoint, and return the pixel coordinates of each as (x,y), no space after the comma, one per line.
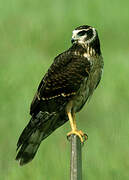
(74,130)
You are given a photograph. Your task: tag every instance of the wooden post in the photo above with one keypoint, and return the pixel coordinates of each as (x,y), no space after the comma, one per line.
(76,158)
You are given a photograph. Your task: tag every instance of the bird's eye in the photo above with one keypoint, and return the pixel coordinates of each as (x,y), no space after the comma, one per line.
(90,33)
(81,33)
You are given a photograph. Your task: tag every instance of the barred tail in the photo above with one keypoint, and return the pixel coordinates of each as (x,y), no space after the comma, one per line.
(32,136)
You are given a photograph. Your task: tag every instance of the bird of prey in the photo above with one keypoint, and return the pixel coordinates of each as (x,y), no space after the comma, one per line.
(63,91)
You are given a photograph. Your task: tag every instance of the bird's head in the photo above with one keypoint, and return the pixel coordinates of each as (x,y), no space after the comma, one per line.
(87,37)
(84,35)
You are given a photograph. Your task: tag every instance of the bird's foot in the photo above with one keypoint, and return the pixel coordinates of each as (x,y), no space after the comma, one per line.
(83,137)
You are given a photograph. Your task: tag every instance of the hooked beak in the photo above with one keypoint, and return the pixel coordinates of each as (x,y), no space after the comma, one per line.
(72,40)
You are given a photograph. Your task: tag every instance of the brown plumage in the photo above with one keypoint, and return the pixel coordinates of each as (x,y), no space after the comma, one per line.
(63,91)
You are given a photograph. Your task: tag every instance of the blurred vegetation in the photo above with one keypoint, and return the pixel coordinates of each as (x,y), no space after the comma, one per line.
(32,33)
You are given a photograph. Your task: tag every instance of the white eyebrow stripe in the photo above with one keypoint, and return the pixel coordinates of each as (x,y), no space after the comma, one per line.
(76,31)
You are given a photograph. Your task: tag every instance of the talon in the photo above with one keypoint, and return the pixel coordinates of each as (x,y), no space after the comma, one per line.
(86,137)
(71,115)
(83,137)
(68,137)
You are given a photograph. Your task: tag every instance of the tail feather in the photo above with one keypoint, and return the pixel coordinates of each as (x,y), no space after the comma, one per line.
(29,149)
(32,136)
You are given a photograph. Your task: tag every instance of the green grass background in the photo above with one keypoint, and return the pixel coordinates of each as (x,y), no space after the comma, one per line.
(32,33)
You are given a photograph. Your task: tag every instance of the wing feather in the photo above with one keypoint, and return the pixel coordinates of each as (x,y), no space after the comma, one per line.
(62,80)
